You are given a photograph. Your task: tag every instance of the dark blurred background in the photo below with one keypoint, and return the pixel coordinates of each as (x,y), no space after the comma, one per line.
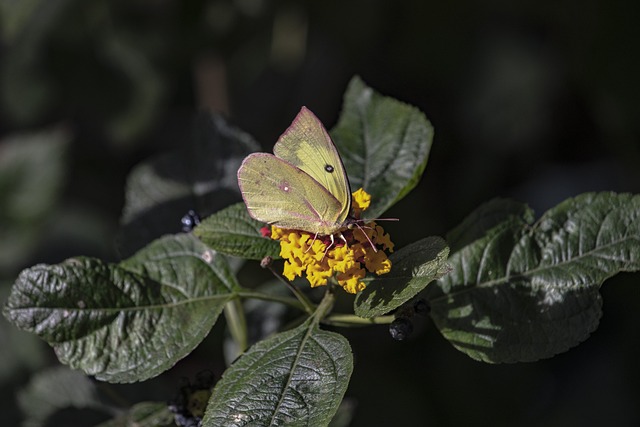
(534,100)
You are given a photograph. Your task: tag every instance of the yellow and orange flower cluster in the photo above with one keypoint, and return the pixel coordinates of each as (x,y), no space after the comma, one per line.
(321,258)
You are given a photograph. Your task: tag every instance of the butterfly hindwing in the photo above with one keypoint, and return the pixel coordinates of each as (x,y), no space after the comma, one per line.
(279,193)
(307,146)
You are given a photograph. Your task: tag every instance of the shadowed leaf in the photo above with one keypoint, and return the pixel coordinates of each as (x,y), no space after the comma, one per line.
(144,414)
(524,292)
(201,176)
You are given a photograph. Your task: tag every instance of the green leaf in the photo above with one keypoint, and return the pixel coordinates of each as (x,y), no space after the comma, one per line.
(32,169)
(19,351)
(413,268)
(525,292)
(233,232)
(144,414)
(54,391)
(200,176)
(384,145)
(130,321)
(295,378)
(484,218)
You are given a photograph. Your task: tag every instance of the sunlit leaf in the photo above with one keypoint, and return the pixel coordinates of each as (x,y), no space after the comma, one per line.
(413,268)
(384,145)
(233,232)
(129,321)
(295,378)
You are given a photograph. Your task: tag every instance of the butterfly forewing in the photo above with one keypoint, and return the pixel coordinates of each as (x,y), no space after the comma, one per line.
(279,193)
(307,146)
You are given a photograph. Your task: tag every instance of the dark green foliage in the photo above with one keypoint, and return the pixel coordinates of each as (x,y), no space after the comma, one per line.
(513,289)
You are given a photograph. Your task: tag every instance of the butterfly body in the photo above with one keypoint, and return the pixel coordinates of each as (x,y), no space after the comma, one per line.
(303,185)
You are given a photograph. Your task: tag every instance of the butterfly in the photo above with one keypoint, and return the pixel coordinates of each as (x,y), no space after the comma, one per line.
(303,185)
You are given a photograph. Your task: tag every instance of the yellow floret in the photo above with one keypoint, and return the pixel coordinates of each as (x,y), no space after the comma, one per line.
(383,239)
(351,280)
(377,263)
(321,259)
(318,274)
(360,199)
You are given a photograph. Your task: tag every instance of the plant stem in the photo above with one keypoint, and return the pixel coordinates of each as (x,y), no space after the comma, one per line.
(325,305)
(353,320)
(309,307)
(237,324)
(275,298)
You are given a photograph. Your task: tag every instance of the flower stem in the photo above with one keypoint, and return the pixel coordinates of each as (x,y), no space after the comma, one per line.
(325,305)
(308,306)
(338,319)
(275,298)
(237,324)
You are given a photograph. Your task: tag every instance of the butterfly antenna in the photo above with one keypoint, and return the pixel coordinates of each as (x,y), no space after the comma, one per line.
(382,219)
(367,236)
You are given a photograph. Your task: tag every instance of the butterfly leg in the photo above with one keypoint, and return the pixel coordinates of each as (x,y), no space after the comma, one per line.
(328,247)
(333,243)
(312,242)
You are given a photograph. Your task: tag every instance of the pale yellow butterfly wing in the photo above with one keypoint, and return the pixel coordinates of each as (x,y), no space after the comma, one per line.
(307,146)
(282,194)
